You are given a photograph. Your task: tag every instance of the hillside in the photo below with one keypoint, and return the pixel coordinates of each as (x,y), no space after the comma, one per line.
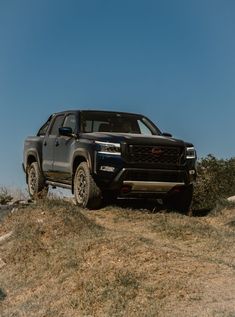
(63,261)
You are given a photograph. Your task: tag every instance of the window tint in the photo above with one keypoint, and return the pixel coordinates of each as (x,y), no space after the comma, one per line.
(95,126)
(87,126)
(117,122)
(70,122)
(56,125)
(112,124)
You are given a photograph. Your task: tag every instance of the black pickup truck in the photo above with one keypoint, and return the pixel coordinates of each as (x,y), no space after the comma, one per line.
(102,155)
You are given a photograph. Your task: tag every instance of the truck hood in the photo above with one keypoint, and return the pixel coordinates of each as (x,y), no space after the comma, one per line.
(134,139)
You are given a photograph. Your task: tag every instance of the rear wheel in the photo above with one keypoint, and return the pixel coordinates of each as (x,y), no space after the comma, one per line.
(36,182)
(87,193)
(181,200)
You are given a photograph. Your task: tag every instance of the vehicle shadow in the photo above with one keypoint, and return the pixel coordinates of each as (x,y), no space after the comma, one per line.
(140,204)
(201,212)
(154,206)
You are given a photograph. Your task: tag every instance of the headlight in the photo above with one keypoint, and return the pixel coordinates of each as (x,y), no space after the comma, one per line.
(190,153)
(109,148)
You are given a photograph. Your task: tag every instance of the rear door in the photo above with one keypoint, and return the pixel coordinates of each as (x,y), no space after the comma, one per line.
(49,145)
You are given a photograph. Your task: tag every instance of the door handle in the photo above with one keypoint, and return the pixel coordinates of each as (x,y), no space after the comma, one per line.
(45,143)
(57,143)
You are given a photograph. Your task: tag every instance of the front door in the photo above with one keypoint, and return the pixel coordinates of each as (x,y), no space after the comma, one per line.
(64,149)
(49,145)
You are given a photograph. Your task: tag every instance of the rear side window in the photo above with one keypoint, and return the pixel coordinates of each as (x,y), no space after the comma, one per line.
(56,125)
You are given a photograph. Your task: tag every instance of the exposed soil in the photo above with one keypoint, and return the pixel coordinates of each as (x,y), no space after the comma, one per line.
(64,261)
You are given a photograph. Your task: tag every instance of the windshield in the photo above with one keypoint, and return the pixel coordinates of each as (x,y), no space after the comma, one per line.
(117,123)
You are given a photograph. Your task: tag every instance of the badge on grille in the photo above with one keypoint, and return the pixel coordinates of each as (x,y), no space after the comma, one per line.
(157,151)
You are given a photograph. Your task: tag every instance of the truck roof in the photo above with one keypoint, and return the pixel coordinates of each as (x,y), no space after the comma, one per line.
(98,111)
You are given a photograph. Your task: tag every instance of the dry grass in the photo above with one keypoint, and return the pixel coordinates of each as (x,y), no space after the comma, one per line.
(63,261)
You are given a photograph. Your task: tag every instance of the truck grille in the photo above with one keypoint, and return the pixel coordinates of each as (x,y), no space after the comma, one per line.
(163,155)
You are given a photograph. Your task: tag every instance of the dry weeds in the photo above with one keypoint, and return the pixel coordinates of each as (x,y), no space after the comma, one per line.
(63,261)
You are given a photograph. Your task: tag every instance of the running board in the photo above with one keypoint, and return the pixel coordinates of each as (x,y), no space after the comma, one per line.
(56,184)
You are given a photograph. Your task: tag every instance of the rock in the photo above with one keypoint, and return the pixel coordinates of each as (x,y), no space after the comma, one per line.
(232,199)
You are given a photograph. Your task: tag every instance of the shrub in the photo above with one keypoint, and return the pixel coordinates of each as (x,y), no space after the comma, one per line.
(215,181)
(5,197)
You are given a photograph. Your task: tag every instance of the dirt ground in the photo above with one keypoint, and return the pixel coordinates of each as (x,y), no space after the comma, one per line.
(195,258)
(62,261)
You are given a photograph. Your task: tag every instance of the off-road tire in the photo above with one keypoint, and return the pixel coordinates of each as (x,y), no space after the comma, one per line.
(181,201)
(36,182)
(87,193)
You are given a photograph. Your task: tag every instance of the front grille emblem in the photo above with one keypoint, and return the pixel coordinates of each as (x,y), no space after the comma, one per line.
(157,151)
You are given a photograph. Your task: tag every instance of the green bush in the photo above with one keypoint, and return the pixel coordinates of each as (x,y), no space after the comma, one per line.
(215,182)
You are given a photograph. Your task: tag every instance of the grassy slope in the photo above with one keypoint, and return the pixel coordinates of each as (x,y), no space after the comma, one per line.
(62,261)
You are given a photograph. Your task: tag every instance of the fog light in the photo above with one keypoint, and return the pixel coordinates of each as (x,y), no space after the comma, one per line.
(107,169)
(191,172)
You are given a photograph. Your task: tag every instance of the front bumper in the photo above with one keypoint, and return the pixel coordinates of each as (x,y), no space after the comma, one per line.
(132,181)
(150,187)
(112,173)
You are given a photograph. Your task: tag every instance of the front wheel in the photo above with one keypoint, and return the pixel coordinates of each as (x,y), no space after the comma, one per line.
(36,182)
(87,193)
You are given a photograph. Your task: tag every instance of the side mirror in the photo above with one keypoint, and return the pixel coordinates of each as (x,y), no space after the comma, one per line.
(66,131)
(168,135)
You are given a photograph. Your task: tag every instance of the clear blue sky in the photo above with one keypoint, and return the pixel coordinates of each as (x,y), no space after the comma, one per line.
(173,61)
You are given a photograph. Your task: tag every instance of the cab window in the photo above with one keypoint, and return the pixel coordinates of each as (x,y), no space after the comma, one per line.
(143,128)
(43,129)
(70,122)
(56,125)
